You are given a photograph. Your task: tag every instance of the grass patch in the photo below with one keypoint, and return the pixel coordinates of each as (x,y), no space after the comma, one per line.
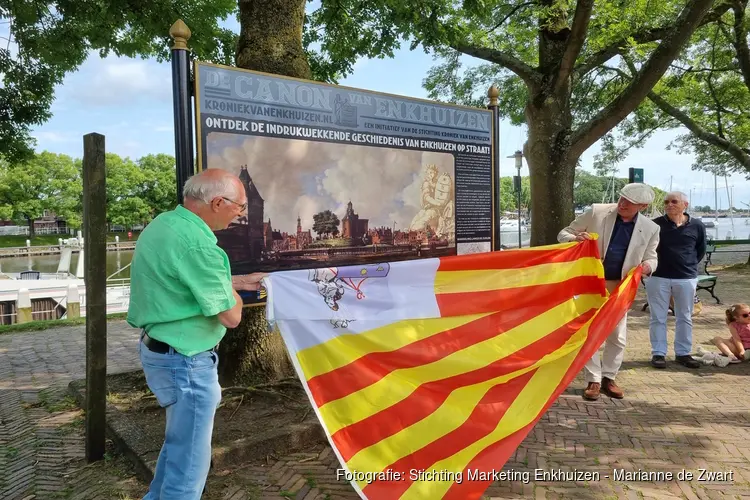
(51,239)
(35,326)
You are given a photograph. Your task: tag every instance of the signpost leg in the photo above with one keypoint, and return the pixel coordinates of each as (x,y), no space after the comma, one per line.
(181,96)
(95,278)
(493,94)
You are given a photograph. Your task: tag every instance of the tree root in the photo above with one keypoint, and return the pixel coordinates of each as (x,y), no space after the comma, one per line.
(257,390)
(242,398)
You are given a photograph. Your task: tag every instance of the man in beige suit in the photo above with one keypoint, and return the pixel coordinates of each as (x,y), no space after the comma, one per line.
(626,240)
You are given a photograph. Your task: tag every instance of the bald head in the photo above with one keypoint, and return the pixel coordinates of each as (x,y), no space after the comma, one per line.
(216,196)
(212,183)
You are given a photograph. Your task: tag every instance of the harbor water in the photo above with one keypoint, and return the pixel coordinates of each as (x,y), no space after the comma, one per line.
(116,260)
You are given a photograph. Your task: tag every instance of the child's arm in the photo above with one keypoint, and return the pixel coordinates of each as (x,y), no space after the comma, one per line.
(737,341)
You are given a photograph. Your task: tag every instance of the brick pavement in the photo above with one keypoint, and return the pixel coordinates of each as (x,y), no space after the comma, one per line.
(670,420)
(41,431)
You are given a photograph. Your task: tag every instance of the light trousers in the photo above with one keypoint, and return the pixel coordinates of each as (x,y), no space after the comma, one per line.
(613,353)
(659,291)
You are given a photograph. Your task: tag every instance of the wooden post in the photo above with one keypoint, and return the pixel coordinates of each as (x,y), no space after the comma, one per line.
(95,277)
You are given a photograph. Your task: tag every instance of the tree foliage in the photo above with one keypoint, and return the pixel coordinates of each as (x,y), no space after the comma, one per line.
(48,39)
(325,223)
(47,182)
(137,191)
(707,91)
(548,57)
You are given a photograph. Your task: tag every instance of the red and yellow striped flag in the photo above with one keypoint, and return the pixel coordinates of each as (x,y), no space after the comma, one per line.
(426,375)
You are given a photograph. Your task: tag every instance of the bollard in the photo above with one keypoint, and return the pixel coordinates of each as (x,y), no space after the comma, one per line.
(74,302)
(23,306)
(28,243)
(117,239)
(79,235)
(59,242)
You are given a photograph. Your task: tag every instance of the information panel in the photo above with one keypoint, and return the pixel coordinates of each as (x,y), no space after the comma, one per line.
(337,176)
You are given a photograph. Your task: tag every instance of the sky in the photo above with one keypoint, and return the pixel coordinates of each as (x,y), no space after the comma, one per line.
(130,102)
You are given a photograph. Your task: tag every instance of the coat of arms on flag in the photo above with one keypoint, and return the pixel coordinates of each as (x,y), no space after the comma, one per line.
(427,374)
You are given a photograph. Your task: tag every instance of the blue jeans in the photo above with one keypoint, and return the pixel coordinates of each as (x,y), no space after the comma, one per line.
(659,291)
(188,387)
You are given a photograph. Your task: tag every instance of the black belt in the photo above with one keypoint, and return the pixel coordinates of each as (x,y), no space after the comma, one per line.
(154,345)
(158,346)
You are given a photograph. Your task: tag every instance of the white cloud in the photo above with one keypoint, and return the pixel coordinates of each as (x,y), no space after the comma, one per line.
(118,81)
(53,137)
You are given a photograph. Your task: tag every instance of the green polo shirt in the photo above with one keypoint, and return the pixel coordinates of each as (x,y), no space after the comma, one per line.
(179,281)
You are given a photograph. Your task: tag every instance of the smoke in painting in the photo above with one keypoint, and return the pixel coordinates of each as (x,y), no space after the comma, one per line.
(312,203)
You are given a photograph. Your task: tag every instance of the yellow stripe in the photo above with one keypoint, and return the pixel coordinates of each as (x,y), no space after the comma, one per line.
(398,384)
(342,350)
(452,414)
(523,410)
(503,279)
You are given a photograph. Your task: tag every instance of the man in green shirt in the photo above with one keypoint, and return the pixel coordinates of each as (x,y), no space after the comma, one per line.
(183,297)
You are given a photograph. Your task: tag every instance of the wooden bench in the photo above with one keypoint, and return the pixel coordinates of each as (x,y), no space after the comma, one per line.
(707,282)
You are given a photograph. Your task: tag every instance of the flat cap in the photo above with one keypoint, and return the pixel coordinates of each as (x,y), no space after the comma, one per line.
(638,193)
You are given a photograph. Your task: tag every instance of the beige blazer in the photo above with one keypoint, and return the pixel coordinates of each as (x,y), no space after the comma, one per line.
(600,219)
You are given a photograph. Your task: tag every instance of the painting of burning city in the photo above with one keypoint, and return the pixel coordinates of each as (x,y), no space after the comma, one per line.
(312,204)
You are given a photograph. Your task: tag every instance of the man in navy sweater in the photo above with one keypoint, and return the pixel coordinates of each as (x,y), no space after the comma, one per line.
(682,245)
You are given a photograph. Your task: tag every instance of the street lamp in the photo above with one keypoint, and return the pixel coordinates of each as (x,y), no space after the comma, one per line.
(517,184)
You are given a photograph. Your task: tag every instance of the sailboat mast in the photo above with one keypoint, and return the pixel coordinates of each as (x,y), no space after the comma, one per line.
(716,198)
(729,198)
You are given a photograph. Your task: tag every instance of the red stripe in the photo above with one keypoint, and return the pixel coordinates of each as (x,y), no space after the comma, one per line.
(371,367)
(514,259)
(485,416)
(483,420)
(430,396)
(464,303)
(490,459)
(494,456)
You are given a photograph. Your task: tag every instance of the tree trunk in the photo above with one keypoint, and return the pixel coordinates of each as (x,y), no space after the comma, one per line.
(551,167)
(250,354)
(32,233)
(270,41)
(271,37)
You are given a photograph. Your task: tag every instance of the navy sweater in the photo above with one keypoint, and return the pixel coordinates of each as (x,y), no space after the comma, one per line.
(680,249)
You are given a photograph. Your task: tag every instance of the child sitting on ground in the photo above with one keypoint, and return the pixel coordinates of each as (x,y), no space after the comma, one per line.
(738,322)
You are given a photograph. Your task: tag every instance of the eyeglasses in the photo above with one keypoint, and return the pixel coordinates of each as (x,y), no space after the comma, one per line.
(242,206)
(671,202)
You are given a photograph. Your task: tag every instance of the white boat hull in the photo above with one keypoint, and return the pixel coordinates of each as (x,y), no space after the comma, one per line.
(118,295)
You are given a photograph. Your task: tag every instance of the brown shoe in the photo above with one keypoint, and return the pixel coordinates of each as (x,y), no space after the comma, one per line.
(592,391)
(610,389)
